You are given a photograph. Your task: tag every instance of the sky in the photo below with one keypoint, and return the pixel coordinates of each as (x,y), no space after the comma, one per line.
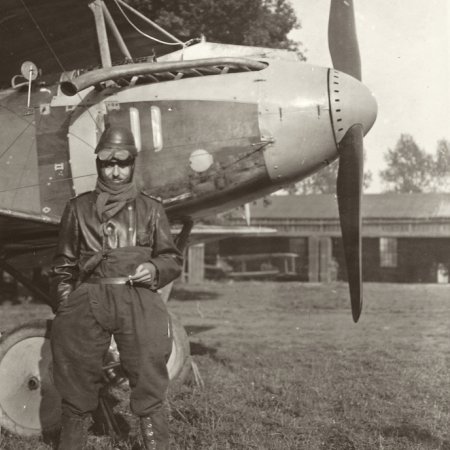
(405,53)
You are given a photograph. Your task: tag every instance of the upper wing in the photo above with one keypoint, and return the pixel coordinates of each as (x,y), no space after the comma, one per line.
(58,35)
(37,31)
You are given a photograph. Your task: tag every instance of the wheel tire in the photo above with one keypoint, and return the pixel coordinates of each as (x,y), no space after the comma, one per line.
(179,364)
(29,401)
(30,405)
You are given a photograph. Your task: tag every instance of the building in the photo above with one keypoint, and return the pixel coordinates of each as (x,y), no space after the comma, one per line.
(406,238)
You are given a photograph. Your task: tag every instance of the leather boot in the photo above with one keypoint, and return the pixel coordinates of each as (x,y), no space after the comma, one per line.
(155,431)
(74,432)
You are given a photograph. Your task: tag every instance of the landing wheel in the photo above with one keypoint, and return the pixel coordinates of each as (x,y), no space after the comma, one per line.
(179,363)
(29,402)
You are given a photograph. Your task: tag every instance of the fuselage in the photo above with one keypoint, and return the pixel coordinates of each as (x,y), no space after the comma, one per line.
(206,143)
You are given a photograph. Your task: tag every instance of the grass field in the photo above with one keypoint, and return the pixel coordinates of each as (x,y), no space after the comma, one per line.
(285,367)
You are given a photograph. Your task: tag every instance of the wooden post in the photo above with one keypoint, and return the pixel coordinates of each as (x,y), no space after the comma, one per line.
(325,249)
(313,258)
(319,258)
(196,263)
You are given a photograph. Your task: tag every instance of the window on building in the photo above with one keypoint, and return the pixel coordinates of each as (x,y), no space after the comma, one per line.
(388,252)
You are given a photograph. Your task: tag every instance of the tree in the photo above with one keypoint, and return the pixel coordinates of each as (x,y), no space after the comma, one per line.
(263,23)
(441,173)
(409,168)
(324,181)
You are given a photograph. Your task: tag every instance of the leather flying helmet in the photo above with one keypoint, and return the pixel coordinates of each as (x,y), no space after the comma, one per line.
(116,143)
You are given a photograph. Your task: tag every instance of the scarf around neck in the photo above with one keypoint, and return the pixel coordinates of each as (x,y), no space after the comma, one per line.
(111,199)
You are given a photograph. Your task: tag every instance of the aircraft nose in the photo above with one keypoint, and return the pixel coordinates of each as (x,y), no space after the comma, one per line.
(351,102)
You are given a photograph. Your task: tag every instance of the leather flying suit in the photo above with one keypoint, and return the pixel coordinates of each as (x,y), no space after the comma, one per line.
(88,314)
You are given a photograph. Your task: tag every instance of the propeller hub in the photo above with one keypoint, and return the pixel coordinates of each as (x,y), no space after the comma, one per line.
(351,103)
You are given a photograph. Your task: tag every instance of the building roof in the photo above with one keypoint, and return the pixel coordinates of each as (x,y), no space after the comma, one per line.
(374,206)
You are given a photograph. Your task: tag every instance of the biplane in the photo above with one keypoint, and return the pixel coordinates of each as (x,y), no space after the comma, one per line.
(216,126)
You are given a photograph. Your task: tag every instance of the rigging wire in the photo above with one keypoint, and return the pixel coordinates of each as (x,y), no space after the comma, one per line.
(30,148)
(16,139)
(15,113)
(28,186)
(36,24)
(225,168)
(58,61)
(145,34)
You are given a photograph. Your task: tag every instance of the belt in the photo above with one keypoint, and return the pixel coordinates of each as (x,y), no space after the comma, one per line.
(111,280)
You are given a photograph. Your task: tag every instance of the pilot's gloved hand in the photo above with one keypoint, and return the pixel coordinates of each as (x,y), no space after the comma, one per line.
(146,273)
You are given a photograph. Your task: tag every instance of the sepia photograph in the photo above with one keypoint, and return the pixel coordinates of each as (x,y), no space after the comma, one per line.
(224,225)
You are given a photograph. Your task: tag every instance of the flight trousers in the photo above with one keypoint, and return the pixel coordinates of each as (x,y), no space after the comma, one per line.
(81,335)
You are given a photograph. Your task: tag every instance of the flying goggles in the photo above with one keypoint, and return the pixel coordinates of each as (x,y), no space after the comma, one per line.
(109,157)
(121,154)
(115,162)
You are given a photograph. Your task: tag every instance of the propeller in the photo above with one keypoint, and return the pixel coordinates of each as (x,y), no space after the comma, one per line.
(342,39)
(349,189)
(344,51)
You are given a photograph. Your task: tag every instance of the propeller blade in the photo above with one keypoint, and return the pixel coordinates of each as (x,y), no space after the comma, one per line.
(342,40)
(349,189)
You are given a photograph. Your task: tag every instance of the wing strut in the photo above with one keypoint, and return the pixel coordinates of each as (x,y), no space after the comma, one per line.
(115,31)
(102,37)
(102,17)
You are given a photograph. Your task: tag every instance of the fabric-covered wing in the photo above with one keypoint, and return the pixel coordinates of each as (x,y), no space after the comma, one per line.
(59,35)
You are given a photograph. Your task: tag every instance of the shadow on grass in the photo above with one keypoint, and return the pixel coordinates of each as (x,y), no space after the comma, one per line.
(192,330)
(201,350)
(198,349)
(415,434)
(185,295)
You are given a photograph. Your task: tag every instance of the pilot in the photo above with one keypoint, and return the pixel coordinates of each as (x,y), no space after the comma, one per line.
(114,252)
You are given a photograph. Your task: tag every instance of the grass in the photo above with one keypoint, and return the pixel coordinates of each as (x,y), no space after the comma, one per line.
(285,367)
